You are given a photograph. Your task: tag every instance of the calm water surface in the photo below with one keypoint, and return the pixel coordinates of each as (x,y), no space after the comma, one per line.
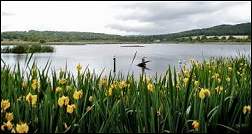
(99,57)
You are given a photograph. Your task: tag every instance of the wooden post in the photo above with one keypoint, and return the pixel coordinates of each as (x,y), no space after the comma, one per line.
(114,59)
(143,68)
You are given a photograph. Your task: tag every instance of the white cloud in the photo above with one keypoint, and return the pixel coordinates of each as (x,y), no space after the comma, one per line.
(120,17)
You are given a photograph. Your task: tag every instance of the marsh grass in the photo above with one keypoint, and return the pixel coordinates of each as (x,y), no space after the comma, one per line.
(37,48)
(129,104)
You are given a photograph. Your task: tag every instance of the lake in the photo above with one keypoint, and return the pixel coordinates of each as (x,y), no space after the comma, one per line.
(100,56)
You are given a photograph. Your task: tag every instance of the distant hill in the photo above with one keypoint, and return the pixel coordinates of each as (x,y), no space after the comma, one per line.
(220,30)
(57,36)
(239,29)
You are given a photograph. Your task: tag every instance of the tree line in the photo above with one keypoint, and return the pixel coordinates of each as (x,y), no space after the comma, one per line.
(56,36)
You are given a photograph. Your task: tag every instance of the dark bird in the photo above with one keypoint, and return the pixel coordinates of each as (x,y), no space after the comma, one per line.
(143,63)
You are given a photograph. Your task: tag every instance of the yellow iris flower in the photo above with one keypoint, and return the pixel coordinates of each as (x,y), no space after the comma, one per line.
(195,124)
(246,109)
(103,82)
(77,94)
(123,84)
(7,125)
(185,80)
(5,104)
(150,87)
(9,116)
(32,99)
(34,84)
(22,128)
(204,93)
(70,108)
(196,83)
(62,81)
(219,89)
(110,91)
(78,67)
(64,100)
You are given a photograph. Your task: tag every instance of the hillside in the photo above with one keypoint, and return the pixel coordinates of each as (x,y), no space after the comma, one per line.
(239,29)
(220,30)
(57,36)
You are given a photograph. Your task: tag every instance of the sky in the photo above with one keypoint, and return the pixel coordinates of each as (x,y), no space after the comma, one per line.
(121,17)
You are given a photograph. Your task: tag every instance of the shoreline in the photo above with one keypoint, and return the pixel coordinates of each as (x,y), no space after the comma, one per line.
(88,43)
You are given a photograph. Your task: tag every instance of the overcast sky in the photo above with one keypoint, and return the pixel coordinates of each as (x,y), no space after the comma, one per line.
(123,17)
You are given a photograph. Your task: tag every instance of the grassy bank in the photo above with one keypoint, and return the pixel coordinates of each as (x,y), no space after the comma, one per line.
(212,96)
(35,48)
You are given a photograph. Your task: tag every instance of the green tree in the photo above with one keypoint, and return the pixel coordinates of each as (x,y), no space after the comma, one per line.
(198,38)
(42,41)
(223,38)
(215,38)
(26,38)
(231,38)
(203,38)
(190,38)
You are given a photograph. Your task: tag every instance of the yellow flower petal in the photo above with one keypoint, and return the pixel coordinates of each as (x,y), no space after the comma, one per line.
(66,101)
(9,125)
(202,94)
(61,101)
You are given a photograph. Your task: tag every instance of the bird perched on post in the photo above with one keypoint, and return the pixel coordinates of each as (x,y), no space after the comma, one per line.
(143,63)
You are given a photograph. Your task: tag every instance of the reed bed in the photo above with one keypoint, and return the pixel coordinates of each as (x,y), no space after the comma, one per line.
(210,96)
